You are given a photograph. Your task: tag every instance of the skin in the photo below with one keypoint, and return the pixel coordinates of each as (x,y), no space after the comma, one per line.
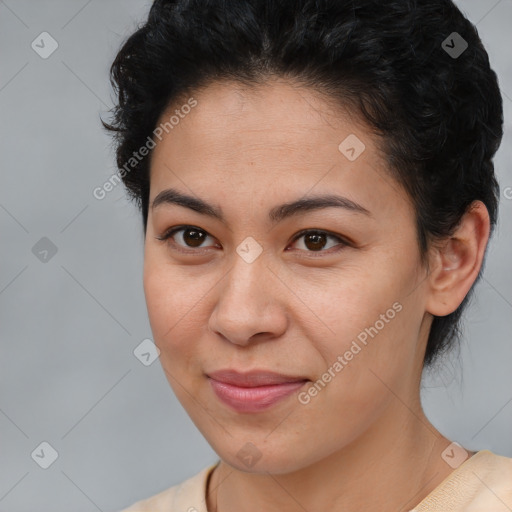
(363,441)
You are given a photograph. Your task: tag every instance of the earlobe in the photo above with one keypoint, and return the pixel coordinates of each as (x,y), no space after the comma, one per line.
(456,262)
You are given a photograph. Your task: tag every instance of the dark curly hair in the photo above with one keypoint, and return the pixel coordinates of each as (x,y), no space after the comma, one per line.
(438,115)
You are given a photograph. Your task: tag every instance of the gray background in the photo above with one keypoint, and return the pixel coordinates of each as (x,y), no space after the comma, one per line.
(69,325)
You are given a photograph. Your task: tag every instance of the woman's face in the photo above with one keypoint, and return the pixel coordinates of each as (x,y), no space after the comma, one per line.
(342,305)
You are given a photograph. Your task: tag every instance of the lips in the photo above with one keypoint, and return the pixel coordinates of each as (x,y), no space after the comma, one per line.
(253,378)
(253,391)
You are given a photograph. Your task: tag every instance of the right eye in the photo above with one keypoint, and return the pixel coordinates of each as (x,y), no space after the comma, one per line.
(191,237)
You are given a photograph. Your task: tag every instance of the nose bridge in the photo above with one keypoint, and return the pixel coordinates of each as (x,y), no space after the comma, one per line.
(243,306)
(248,275)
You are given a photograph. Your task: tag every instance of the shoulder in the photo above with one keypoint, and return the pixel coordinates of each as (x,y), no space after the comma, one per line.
(188,496)
(492,483)
(481,484)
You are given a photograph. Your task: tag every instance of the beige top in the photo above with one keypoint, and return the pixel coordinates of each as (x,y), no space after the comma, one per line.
(483,483)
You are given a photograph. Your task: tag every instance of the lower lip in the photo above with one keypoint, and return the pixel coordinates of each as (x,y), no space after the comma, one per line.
(253,399)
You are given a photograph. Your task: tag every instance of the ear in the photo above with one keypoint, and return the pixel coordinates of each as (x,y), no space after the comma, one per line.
(456,263)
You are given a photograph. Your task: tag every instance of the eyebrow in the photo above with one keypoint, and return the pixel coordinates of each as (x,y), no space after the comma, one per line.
(276,214)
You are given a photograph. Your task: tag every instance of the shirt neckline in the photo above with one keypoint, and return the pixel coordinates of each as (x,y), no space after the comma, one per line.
(463,467)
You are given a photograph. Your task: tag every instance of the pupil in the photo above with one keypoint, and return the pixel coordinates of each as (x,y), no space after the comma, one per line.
(195,239)
(317,239)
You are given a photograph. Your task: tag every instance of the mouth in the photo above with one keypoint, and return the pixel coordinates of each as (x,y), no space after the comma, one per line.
(253,391)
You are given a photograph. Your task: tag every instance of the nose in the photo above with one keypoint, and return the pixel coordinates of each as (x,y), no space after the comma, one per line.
(249,304)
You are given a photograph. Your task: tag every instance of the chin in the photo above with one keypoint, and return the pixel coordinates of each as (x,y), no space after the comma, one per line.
(265,456)
(274,465)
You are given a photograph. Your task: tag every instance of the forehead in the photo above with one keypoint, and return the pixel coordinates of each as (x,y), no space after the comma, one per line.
(276,116)
(280,138)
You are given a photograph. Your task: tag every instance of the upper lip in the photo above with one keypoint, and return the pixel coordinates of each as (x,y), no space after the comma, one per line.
(252,378)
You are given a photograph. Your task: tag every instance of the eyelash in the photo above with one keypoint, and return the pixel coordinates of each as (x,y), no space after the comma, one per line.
(167,237)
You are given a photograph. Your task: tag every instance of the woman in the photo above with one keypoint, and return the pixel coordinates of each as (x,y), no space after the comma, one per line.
(317,193)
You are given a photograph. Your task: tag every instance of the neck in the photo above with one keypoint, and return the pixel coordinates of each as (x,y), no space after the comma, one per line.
(392,466)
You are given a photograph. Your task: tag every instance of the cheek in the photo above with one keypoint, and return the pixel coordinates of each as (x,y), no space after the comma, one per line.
(157,292)
(373,319)
(165,300)
(176,306)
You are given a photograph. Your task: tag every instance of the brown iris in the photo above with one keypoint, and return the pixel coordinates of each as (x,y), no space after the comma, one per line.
(315,241)
(193,237)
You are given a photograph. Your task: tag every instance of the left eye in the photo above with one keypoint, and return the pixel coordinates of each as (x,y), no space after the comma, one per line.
(314,240)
